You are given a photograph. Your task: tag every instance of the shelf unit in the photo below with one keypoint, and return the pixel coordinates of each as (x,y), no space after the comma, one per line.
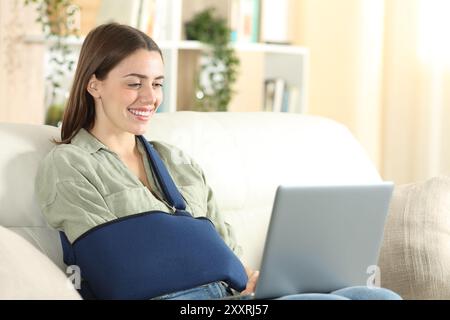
(264,61)
(275,61)
(261,61)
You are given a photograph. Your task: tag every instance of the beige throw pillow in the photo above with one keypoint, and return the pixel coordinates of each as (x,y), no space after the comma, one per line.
(26,273)
(415,255)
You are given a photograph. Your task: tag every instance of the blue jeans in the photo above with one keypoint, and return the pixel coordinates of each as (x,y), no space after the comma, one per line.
(219,290)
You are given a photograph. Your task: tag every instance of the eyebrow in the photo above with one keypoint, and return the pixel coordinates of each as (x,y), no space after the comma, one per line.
(142,76)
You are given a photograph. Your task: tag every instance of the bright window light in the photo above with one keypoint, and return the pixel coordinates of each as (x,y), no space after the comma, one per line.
(434,32)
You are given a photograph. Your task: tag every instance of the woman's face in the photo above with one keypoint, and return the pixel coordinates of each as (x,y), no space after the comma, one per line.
(130,94)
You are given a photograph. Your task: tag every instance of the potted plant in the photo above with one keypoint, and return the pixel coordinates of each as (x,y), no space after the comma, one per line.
(218,66)
(58,22)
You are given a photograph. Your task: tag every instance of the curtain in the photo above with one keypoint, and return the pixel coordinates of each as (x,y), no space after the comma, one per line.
(416,90)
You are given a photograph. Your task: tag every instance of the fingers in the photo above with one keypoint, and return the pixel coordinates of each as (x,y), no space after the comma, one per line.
(251,283)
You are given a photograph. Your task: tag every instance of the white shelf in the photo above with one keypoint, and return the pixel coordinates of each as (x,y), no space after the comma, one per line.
(193,45)
(251,47)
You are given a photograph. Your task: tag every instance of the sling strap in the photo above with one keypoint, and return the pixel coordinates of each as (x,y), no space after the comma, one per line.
(169,188)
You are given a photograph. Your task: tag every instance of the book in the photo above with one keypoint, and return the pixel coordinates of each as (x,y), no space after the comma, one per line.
(161,20)
(293,101)
(244,20)
(280,96)
(146,16)
(275,96)
(234,20)
(285,99)
(269,94)
(274,21)
(280,87)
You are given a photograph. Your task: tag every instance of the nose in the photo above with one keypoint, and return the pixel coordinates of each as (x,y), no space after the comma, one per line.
(147,95)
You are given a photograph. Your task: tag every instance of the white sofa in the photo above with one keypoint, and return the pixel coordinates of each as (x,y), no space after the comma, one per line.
(245,156)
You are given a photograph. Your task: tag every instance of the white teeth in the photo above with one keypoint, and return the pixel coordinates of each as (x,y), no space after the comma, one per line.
(140,113)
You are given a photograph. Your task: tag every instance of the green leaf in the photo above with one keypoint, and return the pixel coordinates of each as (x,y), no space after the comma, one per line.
(213,31)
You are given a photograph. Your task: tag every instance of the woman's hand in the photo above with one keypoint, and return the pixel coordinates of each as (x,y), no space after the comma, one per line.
(252,280)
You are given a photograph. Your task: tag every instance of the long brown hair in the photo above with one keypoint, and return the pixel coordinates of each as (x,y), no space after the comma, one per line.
(104,48)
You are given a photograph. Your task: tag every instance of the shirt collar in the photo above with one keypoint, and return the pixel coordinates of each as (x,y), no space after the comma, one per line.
(140,147)
(87,141)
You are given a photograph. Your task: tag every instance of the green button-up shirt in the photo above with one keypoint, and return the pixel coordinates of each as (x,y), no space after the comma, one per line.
(84,184)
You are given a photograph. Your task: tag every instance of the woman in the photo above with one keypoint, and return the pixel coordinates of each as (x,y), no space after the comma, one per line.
(103,171)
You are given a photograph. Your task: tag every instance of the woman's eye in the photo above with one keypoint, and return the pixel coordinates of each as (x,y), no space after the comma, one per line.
(135,85)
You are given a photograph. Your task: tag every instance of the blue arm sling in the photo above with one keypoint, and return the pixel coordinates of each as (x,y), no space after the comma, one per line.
(152,253)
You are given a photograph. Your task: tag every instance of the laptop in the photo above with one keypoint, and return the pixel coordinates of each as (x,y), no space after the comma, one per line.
(322,238)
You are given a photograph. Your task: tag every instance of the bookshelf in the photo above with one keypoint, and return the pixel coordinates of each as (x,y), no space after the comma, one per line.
(259,61)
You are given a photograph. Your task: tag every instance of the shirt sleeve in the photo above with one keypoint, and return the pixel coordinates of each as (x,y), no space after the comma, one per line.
(68,200)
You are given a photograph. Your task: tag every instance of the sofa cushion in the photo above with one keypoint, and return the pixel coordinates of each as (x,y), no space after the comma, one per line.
(26,273)
(23,146)
(415,255)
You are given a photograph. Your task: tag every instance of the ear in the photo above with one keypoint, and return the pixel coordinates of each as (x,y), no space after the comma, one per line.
(93,87)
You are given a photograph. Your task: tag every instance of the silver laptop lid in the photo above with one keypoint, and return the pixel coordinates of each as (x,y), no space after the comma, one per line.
(323,238)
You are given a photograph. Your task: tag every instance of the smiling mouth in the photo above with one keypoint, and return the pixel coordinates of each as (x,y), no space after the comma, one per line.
(140,114)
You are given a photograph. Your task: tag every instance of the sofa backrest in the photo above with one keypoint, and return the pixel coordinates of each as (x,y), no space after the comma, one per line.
(255,152)
(245,156)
